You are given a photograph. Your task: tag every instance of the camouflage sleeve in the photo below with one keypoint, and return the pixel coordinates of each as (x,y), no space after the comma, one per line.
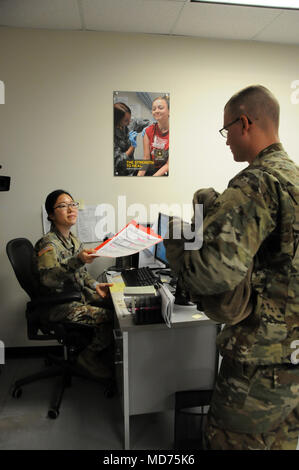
(119,155)
(244,216)
(89,281)
(53,273)
(138,124)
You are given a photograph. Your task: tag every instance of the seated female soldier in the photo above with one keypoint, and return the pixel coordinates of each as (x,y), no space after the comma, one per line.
(60,261)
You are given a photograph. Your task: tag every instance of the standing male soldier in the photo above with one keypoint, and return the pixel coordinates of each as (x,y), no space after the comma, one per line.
(254,224)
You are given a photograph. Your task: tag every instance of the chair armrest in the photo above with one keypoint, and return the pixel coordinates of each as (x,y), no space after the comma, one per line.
(33,314)
(56,299)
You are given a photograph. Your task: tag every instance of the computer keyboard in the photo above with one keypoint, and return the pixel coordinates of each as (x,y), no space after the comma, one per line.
(139,277)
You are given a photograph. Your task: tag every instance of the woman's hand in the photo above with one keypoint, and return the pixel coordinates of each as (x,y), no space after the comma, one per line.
(87,256)
(103,289)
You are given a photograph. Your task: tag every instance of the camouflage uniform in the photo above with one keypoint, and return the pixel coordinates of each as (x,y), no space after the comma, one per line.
(256,399)
(60,270)
(121,145)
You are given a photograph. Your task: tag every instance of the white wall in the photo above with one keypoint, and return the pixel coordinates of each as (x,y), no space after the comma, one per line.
(56,123)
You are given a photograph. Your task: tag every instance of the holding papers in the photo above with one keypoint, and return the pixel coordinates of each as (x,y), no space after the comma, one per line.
(131,239)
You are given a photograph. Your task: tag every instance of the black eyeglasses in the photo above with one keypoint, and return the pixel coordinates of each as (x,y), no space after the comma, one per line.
(64,206)
(224,130)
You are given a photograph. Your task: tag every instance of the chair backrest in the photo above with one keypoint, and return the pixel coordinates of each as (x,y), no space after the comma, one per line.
(20,253)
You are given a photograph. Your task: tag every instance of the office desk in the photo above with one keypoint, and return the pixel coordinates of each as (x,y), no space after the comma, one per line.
(152,362)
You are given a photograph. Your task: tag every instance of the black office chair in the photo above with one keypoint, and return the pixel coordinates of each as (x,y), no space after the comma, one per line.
(73,337)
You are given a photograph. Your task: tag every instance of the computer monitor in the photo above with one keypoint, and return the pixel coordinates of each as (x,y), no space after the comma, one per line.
(160,253)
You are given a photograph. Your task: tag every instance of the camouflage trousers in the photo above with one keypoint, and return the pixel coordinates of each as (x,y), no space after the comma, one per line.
(89,314)
(254,408)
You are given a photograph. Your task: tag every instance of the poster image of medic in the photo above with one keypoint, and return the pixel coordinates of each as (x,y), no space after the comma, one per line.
(141,133)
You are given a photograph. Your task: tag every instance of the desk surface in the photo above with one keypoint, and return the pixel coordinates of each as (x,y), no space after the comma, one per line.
(182,314)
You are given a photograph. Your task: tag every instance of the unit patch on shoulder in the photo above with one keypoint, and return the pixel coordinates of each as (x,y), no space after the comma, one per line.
(44,250)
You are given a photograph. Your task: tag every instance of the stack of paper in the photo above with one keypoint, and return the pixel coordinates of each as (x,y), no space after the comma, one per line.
(139,290)
(167,303)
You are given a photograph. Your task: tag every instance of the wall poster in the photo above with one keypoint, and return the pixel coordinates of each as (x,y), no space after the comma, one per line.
(141,133)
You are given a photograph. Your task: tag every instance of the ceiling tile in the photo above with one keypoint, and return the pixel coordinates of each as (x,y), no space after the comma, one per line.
(142,16)
(284,29)
(50,14)
(178,17)
(223,21)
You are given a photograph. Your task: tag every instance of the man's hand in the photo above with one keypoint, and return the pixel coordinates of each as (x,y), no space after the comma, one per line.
(103,289)
(87,256)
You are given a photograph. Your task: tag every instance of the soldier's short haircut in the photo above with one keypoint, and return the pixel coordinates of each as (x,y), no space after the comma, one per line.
(120,109)
(51,200)
(258,103)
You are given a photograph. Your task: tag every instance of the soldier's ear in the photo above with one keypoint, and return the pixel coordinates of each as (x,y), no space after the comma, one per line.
(245,121)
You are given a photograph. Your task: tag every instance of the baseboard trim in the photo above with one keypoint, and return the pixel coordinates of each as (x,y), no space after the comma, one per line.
(32,351)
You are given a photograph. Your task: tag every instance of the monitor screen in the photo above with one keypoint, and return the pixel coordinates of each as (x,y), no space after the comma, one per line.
(160,253)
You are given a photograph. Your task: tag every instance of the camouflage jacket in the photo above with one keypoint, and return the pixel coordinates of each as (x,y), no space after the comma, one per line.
(122,143)
(58,267)
(255,219)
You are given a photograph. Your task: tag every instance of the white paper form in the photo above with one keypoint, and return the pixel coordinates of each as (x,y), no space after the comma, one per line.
(167,303)
(86,224)
(131,239)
